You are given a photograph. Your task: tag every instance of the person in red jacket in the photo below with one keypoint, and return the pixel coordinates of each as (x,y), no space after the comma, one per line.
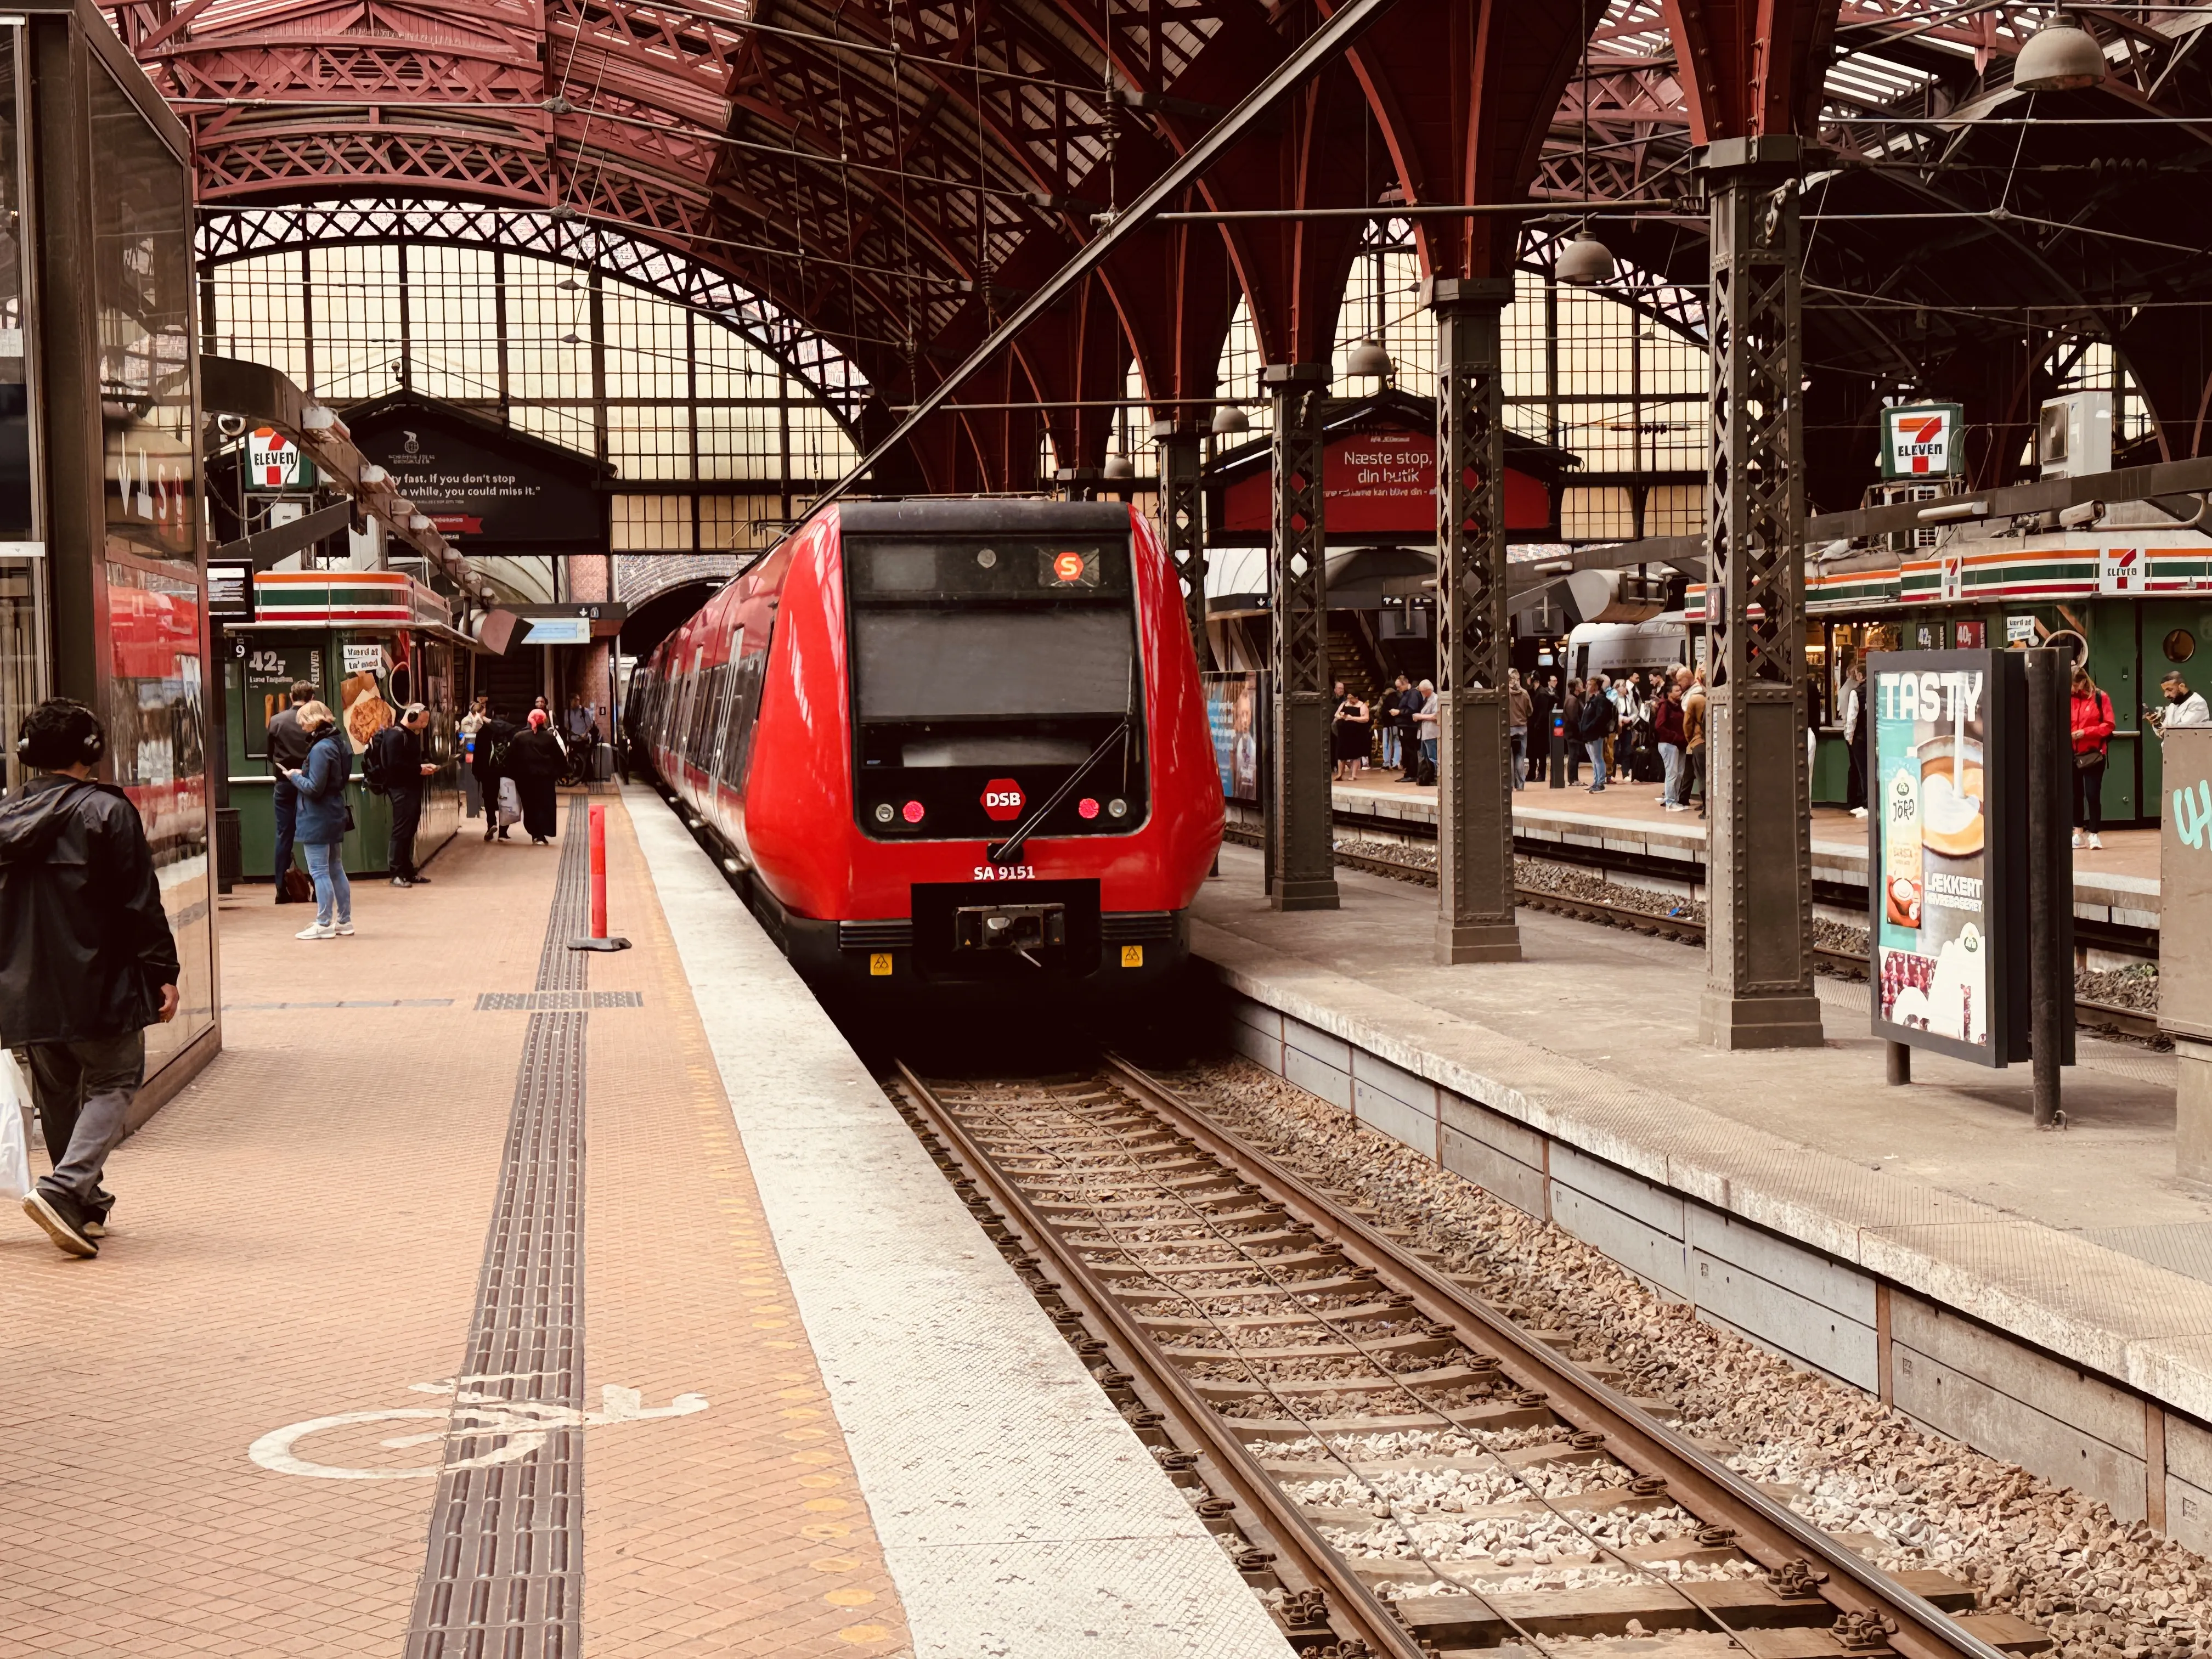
(2092,733)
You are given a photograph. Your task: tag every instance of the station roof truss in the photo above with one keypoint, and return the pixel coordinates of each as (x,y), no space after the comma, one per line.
(869,185)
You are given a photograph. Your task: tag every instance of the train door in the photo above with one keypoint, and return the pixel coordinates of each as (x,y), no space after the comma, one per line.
(679,729)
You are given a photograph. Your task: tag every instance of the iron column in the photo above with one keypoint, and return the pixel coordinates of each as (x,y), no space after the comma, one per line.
(1759,937)
(1183,523)
(1474,793)
(1301,838)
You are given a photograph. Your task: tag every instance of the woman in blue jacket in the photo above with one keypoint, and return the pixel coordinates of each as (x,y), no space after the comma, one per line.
(321,784)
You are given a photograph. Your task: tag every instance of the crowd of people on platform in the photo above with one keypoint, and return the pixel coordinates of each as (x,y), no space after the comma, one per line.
(1647,726)
(511,772)
(514,769)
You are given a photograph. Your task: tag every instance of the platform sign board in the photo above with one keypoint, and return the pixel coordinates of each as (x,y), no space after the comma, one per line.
(2184,884)
(1923,440)
(1947,850)
(230,590)
(1234,714)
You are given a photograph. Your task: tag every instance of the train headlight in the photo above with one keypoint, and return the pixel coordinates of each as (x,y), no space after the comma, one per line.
(1117,809)
(913,812)
(885,813)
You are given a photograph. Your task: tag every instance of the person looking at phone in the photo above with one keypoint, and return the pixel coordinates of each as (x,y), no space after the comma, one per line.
(325,817)
(2183,706)
(87,960)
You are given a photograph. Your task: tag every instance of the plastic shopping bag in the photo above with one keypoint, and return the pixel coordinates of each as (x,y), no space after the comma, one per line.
(14,1146)
(510,803)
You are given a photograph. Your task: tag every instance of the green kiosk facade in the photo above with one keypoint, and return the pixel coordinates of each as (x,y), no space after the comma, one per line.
(370,642)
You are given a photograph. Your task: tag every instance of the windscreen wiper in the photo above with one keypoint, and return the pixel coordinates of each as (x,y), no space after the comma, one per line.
(1012,844)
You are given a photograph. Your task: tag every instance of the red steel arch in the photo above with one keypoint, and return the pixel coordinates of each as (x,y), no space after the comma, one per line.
(893,172)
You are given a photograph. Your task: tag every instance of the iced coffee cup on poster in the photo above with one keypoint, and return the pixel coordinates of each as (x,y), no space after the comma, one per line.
(1901,867)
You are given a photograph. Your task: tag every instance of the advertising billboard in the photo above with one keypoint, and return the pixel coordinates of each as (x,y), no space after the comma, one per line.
(1235,710)
(1947,853)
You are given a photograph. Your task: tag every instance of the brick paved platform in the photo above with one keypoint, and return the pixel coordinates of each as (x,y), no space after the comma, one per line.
(228,1431)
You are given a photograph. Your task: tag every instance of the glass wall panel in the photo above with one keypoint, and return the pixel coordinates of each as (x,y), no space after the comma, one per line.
(819,446)
(157,729)
(23,666)
(650,524)
(453,322)
(650,441)
(741,524)
(141,285)
(507,333)
(354,333)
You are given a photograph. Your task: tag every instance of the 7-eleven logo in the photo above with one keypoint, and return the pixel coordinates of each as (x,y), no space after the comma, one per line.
(1921,440)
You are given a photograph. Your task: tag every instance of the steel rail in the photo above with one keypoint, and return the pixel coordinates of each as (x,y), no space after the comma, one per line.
(1767,1531)
(1351,1601)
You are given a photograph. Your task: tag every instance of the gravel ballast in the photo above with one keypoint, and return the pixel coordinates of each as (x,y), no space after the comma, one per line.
(2104,1589)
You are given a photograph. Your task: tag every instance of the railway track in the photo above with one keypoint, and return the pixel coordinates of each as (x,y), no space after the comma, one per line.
(2127,1021)
(1396,1466)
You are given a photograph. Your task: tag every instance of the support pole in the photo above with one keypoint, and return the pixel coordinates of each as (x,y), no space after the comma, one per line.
(2050,875)
(1302,830)
(1758,940)
(1182,521)
(1900,1063)
(1475,796)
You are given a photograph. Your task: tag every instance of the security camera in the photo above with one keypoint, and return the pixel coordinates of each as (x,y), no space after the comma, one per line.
(231,426)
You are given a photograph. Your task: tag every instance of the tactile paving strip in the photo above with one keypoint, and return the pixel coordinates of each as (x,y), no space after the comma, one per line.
(552,1001)
(504,1572)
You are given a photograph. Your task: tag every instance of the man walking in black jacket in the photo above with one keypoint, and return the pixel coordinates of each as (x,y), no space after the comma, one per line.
(87,960)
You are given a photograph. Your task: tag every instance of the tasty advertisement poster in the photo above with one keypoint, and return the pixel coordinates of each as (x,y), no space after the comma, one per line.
(1939,916)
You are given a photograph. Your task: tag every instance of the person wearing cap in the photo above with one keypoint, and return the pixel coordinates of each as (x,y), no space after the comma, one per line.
(397,761)
(2183,706)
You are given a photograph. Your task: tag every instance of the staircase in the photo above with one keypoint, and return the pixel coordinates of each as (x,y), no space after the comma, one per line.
(1352,657)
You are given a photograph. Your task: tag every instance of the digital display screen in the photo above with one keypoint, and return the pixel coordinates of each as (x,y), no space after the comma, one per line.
(986,568)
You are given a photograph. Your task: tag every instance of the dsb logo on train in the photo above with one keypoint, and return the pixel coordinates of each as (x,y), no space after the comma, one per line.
(1002,800)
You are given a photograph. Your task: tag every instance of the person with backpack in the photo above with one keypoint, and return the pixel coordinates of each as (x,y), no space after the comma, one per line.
(1601,716)
(2093,722)
(396,769)
(325,817)
(87,961)
(495,737)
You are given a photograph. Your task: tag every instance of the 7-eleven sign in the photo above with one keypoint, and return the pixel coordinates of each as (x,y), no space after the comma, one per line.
(1922,441)
(273,461)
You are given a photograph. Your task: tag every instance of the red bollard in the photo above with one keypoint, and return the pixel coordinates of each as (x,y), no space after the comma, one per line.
(598,940)
(599,871)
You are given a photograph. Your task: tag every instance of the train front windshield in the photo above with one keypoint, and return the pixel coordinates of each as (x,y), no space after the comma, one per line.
(986,670)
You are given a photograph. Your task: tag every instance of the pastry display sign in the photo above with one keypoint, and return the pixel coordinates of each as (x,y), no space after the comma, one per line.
(1947,851)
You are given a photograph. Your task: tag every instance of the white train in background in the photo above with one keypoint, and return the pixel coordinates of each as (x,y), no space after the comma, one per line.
(1615,648)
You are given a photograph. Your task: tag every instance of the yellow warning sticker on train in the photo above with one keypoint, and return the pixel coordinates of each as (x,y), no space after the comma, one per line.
(880,963)
(1133,956)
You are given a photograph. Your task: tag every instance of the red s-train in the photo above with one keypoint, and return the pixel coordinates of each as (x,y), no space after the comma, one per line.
(950,743)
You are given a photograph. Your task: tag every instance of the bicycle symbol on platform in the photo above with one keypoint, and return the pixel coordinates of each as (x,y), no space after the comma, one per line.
(521,1424)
